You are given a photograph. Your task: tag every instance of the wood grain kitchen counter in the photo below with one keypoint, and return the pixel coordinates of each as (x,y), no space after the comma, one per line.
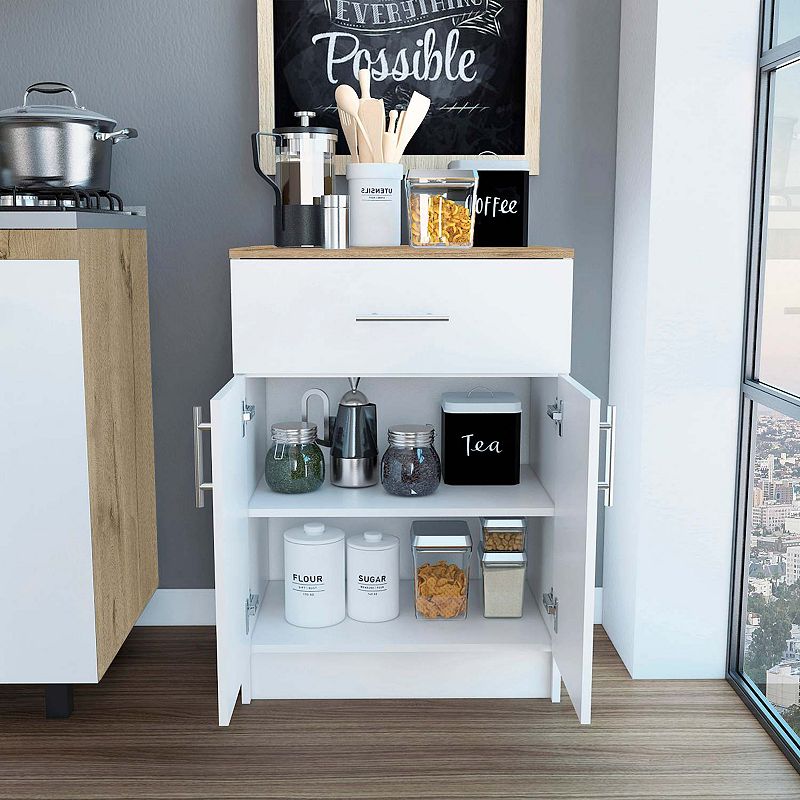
(270,251)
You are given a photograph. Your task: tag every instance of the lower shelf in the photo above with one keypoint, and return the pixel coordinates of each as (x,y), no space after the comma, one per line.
(403,658)
(405,634)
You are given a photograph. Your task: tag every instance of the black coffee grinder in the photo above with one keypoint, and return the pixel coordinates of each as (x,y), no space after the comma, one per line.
(304,172)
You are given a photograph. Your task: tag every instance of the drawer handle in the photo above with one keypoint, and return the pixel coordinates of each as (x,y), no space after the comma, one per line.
(403,318)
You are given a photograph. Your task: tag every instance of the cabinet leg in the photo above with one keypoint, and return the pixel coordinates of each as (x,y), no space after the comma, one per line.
(58,700)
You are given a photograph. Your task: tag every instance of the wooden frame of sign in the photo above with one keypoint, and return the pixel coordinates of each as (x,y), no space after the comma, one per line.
(533,47)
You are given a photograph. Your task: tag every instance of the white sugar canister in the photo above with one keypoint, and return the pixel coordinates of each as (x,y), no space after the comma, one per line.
(373,577)
(374,192)
(313,564)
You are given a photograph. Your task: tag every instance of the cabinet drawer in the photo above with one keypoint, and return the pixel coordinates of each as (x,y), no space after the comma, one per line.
(401,317)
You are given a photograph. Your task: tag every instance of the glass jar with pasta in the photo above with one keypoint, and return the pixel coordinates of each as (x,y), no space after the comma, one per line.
(441,207)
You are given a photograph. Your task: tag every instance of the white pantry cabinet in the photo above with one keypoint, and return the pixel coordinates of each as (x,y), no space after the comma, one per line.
(295,326)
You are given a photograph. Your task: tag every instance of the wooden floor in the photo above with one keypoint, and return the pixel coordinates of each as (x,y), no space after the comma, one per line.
(149,731)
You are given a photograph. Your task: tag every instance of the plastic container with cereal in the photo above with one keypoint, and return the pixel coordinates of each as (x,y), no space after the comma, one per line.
(440,207)
(442,551)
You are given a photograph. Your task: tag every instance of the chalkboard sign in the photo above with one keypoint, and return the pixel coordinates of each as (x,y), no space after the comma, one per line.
(478,60)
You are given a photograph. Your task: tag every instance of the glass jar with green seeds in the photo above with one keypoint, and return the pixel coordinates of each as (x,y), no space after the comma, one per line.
(294,464)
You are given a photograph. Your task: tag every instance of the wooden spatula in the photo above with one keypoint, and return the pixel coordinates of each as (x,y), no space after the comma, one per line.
(372,113)
(411,119)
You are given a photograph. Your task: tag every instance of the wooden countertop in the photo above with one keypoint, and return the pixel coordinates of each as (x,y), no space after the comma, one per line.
(270,251)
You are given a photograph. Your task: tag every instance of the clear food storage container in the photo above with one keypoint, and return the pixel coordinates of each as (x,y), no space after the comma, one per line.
(503,577)
(503,534)
(441,207)
(442,550)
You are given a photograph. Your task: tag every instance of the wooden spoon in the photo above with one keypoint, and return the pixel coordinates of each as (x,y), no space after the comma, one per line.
(347,103)
(372,113)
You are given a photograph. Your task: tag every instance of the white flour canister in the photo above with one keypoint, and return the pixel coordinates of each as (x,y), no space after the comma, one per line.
(313,563)
(373,577)
(374,196)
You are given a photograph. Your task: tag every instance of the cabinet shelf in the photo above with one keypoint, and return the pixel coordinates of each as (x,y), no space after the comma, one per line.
(405,634)
(528,499)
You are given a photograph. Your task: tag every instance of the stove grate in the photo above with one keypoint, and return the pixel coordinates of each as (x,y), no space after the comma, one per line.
(57,199)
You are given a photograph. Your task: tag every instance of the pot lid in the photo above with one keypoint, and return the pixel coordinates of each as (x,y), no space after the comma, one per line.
(72,112)
(373,540)
(314,533)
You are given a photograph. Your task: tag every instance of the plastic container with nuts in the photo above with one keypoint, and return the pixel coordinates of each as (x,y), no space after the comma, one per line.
(441,207)
(503,534)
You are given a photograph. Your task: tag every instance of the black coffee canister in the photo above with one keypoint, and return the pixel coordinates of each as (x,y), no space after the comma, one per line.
(501,204)
(481,438)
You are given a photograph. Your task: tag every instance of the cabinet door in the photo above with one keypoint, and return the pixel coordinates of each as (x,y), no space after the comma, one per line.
(231,494)
(564,548)
(47,612)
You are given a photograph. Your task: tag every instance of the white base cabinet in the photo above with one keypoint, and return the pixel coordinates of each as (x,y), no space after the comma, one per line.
(261,656)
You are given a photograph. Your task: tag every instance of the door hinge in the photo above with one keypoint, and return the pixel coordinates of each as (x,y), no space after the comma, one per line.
(556,413)
(250,609)
(248,415)
(550,603)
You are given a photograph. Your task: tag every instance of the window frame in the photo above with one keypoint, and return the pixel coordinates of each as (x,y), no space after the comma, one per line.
(754,393)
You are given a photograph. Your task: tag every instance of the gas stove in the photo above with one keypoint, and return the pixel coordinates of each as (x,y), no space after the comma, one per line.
(27,208)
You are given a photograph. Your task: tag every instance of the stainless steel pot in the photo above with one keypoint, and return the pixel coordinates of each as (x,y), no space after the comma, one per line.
(45,146)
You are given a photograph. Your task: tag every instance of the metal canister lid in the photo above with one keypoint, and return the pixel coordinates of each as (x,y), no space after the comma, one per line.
(411,435)
(294,432)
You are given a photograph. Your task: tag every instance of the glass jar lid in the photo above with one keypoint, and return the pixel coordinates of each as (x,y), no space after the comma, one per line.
(294,432)
(441,534)
(448,178)
(411,435)
(504,523)
(504,559)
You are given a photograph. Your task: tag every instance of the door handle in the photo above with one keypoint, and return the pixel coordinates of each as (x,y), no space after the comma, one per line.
(201,486)
(403,318)
(610,427)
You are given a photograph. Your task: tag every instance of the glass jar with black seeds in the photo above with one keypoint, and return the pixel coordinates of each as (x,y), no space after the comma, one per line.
(294,463)
(410,465)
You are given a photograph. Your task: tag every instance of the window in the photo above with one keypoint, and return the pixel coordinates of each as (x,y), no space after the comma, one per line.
(764,660)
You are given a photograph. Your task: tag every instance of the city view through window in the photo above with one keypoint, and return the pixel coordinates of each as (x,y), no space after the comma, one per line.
(772,632)
(764,658)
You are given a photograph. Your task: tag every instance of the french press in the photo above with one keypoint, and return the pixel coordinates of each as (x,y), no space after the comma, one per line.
(304,172)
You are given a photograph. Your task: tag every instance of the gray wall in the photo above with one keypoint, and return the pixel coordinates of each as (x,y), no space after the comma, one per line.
(184,73)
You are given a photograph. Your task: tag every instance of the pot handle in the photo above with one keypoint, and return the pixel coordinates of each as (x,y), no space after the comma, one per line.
(50,87)
(115,136)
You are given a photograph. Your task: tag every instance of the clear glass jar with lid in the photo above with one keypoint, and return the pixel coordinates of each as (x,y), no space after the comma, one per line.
(294,464)
(410,466)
